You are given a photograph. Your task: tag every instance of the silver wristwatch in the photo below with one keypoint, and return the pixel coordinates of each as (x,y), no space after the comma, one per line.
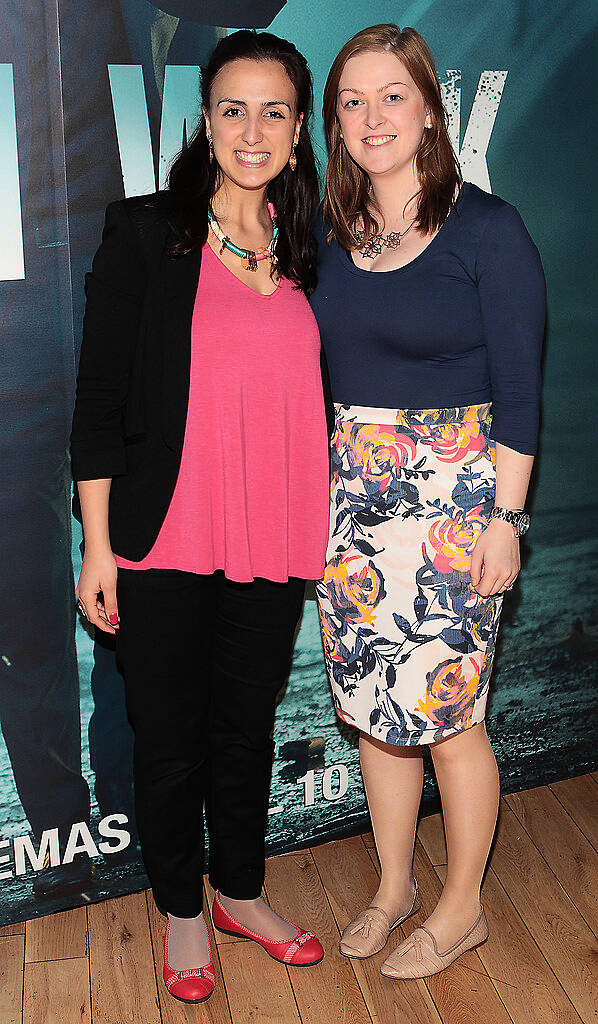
(517,518)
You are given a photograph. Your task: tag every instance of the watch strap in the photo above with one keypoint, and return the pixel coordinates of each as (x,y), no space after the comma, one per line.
(513,516)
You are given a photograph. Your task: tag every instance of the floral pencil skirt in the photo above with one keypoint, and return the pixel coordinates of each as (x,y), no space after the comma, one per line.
(408,642)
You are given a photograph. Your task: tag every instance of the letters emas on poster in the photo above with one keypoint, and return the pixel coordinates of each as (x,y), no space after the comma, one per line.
(80,841)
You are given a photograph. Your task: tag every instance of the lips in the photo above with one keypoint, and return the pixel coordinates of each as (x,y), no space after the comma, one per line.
(378,140)
(251,159)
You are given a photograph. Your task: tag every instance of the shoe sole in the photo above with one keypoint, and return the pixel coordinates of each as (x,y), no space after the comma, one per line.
(180,999)
(239,935)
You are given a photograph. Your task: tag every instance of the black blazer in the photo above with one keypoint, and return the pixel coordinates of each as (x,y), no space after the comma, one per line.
(133,382)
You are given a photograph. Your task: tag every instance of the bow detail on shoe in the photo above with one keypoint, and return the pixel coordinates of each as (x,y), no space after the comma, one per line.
(192,972)
(296,945)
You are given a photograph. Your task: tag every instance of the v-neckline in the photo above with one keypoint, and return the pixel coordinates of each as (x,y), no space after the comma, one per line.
(261,295)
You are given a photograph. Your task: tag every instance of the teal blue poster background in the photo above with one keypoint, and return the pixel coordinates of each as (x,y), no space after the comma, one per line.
(518,81)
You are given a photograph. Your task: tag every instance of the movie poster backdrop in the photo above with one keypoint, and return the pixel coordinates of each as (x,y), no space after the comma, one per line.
(94,102)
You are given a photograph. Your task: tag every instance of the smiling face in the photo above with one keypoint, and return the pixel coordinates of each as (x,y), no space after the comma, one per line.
(381,112)
(253,121)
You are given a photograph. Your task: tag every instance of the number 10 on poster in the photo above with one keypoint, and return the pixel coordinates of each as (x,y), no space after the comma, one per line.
(333,784)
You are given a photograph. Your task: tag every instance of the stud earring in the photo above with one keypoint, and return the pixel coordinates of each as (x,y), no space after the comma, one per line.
(293,159)
(211,145)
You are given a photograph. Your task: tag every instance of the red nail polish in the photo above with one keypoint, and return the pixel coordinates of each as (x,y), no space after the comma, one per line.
(113,619)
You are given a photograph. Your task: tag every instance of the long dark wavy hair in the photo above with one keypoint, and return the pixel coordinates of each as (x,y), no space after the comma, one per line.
(348,201)
(193,180)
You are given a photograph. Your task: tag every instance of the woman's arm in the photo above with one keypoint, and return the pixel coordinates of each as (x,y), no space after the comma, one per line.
(495,562)
(512,295)
(98,572)
(115,290)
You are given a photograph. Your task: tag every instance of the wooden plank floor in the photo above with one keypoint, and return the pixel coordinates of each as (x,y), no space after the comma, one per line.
(101,964)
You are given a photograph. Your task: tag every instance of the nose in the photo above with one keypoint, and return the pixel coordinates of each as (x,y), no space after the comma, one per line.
(253,134)
(373,116)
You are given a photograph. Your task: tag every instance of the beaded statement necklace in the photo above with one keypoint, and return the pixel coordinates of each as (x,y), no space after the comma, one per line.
(249,258)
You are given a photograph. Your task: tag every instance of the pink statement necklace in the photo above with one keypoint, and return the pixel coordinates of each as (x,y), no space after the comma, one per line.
(249,258)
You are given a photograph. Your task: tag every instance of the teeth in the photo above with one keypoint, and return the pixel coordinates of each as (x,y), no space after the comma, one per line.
(252,158)
(378,140)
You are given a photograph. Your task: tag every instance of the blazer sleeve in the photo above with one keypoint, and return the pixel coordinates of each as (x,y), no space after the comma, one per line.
(115,291)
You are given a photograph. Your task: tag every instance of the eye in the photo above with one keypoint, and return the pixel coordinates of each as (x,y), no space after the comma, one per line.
(275,115)
(393,97)
(351,104)
(233,112)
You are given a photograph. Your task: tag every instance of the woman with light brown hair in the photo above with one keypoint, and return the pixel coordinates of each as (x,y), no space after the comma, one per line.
(431,307)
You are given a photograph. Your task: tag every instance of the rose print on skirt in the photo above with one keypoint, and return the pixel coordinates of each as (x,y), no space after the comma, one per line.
(408,642)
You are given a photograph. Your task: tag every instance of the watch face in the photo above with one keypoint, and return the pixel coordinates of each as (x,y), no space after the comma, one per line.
(523,524)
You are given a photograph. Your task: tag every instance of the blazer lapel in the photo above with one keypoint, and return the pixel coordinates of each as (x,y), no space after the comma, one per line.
(180,278)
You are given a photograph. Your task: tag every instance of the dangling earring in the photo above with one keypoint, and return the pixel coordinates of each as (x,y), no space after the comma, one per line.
(211,145)
(293,159)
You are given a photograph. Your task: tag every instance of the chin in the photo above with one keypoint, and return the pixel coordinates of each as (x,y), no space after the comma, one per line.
(375,168)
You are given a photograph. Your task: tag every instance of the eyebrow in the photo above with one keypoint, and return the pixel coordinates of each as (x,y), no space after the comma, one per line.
(381,89)
(242,103)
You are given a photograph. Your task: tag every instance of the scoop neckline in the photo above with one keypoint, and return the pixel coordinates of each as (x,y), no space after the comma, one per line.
(347,259)
(260,295)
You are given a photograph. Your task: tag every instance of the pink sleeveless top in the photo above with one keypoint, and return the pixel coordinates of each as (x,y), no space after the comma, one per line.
(252,492)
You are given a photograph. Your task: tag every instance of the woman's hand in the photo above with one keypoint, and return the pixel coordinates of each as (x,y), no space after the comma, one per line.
(495,561)
(98,576)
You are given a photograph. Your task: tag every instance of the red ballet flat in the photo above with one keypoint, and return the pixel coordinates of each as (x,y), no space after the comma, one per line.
(191,986)
(302,951)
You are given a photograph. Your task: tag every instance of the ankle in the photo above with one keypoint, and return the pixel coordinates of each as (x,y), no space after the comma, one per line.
(185,922)
(396,887)
(395,896)
(459,902)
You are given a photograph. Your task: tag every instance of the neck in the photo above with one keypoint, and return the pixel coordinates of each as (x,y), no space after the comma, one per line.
(240,206)
(393,193)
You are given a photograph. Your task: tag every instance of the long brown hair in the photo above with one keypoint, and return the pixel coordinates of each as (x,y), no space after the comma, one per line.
(348,201)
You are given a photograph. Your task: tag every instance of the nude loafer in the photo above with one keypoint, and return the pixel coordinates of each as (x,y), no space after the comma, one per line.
(418,955)
(368,932)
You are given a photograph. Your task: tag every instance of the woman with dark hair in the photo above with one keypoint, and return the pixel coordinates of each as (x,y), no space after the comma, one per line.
(431,306)
(199,446)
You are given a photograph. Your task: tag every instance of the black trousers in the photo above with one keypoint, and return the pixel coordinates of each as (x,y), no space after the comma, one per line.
(203,660)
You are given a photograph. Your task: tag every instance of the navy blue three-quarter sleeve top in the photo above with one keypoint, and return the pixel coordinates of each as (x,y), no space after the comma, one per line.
(462,324)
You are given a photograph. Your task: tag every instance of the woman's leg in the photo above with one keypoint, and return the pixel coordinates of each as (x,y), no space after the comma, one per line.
(468,780)
(253,640)
(164,650)
(393,778)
